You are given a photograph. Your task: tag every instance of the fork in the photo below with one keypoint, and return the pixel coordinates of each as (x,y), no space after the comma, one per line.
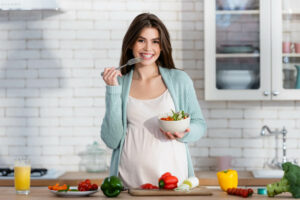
(132,61)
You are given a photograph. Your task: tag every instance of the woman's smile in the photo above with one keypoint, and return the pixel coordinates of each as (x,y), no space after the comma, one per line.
(146,56)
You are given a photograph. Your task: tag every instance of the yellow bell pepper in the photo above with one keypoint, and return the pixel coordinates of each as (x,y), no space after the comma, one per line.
(227,179)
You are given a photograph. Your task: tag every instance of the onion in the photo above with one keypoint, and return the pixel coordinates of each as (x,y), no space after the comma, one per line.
(183,187)
(192,182)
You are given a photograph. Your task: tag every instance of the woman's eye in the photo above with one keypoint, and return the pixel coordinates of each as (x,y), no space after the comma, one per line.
(156,42)
(140,40)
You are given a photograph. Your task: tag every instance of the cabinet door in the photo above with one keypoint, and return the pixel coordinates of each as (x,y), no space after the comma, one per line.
(286,49)
(237,49)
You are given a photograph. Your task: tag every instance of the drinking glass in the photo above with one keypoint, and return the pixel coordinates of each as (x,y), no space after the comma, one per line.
(22,172)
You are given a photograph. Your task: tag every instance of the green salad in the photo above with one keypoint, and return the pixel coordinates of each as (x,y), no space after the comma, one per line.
(176,116)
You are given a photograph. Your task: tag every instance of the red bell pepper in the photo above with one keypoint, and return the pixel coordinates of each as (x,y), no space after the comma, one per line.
(148,186)
(167,181)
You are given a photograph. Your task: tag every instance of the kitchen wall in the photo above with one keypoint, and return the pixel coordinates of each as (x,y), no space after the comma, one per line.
(52,96)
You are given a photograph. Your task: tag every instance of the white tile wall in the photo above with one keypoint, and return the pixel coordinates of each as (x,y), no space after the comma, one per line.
(52,96)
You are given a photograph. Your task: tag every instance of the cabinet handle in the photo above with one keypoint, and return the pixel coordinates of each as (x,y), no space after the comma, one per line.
(266,93)
(275,93)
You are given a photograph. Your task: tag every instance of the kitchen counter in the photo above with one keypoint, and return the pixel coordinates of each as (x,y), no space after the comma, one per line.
(206,178)
(38,193)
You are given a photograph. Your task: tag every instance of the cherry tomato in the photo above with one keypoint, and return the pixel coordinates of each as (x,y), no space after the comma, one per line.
(94,187)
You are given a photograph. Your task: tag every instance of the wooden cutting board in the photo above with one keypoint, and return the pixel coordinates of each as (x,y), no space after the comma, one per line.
(198,191)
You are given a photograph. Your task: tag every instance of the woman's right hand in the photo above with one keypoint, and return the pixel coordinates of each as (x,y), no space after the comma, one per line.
(110,75)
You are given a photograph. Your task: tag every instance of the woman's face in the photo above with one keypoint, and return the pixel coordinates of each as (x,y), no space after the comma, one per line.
(147,46)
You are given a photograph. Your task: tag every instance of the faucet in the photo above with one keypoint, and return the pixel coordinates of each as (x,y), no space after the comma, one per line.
(275,163)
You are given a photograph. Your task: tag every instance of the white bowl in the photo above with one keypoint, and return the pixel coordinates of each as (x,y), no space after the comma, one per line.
(236,4)
(174,126)
(235,79)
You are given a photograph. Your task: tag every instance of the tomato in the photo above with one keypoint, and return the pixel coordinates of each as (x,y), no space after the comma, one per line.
(250,191)
(233,191)
(240,192)
(244,193)
(86,185)
(94,187)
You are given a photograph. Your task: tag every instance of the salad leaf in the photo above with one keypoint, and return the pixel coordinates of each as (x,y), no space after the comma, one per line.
(178,115)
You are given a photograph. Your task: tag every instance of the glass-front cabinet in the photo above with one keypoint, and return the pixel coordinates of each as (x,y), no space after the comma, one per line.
(252,49)
(286,49)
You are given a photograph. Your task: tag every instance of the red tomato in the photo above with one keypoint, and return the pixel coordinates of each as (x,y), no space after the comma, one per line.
(88,181)
(89,187)
(80,188)
(229,190)
(86,185)
(245,193)
(240,192)
(250,191)
(94,187)
(233,191)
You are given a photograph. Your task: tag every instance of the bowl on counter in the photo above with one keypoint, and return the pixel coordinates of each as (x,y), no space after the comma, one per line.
(173,126)
(235,79)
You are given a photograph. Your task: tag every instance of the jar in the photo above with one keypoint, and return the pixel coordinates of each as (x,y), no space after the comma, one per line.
(93,159)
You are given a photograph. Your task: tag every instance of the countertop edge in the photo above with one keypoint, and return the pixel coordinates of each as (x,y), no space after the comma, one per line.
(206,178)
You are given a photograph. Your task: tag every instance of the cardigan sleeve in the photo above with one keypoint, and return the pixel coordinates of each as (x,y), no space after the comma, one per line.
(112,128)
(191,104)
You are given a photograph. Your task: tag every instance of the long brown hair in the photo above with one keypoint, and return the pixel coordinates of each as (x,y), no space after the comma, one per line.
(141,21)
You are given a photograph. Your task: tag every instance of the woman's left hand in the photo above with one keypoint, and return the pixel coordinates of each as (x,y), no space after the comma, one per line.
(173,136)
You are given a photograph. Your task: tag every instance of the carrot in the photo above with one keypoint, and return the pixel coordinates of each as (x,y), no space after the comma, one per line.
(58,187)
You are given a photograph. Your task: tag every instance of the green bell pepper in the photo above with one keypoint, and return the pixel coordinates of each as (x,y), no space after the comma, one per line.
(112,186)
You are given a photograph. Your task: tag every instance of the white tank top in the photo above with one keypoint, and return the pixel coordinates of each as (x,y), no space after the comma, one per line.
(147,153)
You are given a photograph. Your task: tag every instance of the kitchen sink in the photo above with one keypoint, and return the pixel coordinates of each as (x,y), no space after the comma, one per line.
(267,173)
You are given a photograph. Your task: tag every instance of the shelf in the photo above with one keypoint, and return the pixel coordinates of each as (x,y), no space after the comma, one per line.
(291,55)
(237,12)
(291,12)
(237,55)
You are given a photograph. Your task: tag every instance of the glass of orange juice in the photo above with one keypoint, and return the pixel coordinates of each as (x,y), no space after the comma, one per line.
(22,172)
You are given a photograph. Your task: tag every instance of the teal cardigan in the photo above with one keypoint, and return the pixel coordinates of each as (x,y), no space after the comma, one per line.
(114,125)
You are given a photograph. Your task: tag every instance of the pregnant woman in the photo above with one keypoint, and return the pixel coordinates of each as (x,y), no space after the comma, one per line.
(136,95)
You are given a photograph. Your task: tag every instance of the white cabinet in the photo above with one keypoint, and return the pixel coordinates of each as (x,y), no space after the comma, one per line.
(252,49)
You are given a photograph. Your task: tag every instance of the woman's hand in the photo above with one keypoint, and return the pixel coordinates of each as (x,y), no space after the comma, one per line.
(110,75)
(175,135)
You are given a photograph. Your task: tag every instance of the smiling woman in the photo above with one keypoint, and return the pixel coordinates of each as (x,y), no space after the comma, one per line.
(134,99)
